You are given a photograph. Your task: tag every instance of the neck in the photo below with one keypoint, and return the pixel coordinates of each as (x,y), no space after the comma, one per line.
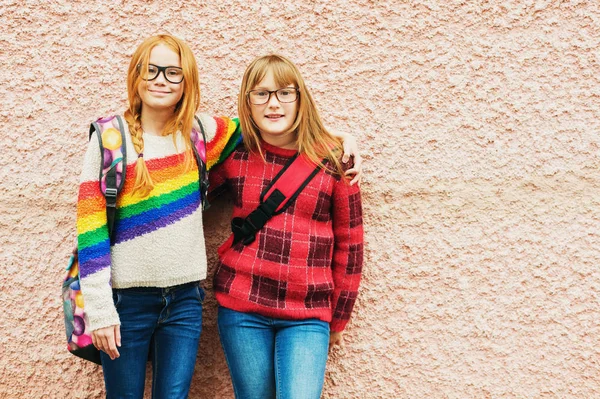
(154,120)
(286,141)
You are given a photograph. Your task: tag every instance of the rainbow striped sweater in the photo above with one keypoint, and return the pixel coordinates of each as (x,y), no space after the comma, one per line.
(159,241)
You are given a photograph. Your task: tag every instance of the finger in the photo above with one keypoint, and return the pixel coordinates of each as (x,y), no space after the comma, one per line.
(106,345)
(114,353)
(118,335)
(112,346)
(102,343)
(358,162)
(95,340)
(109,349)
(356,178)
(347,151)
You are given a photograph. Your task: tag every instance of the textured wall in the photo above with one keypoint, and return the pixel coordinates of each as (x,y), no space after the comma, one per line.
(479,123)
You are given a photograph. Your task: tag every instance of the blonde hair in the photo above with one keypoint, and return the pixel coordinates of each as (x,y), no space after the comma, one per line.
(185,109)
(312,138)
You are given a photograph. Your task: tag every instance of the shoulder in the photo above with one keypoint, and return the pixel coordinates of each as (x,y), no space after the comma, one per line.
(215,125)
(332,170)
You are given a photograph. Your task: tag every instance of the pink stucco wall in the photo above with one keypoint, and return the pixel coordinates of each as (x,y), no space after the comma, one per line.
(479,122)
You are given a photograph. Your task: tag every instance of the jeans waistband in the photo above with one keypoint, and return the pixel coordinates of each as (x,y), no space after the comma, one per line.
(159,289)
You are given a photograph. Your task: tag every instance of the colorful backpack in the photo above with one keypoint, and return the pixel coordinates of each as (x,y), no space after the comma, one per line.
(111,137)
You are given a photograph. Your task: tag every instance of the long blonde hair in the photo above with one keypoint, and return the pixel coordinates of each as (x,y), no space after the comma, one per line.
(312,138)
(185,109)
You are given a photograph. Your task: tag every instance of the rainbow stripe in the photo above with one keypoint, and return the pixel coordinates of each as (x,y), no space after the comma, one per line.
(176,195)
(227,137)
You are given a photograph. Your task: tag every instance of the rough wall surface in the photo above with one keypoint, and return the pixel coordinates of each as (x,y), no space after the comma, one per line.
(479,123)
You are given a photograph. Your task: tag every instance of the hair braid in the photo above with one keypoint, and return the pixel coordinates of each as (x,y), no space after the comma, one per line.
(143,181)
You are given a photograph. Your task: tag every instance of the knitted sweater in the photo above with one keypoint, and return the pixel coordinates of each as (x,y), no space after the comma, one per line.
(305,262)
(159,241)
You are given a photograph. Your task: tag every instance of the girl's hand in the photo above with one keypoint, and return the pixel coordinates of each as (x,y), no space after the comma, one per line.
(336,339)
(107,339)
(351,149)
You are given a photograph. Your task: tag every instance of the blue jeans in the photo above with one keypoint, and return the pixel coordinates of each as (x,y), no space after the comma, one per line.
(165,323)
(274,358)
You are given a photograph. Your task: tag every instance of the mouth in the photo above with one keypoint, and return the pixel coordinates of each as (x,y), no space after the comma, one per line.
(158,92)
(274,116)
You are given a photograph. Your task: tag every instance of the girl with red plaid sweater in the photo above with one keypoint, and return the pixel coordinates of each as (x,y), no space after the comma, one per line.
(285,298)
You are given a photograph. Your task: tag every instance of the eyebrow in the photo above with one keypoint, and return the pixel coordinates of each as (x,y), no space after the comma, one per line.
(164,66)
(290,86)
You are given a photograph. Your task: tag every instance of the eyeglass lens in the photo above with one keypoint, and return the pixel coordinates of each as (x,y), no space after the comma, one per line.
(285,95)
(171,74)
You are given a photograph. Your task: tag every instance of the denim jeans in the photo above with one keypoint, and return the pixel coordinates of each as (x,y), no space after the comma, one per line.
(165,323)
(274,358)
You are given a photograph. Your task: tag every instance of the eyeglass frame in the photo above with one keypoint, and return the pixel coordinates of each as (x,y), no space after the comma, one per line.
(296,89)
(162,69)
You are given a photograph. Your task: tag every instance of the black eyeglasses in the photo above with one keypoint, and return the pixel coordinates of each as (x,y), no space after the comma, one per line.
(173,74)
(285,95)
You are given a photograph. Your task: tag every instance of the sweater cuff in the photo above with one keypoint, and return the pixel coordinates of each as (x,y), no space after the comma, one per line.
(337,325)
(98,300)
(111,318)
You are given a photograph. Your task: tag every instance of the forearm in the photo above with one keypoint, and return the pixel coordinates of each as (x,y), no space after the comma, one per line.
(348,252)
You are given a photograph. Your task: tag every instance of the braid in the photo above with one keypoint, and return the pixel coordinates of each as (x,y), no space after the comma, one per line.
(143,182)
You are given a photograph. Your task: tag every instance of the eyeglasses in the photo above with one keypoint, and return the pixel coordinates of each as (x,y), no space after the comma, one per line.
(173,74)
(285,95)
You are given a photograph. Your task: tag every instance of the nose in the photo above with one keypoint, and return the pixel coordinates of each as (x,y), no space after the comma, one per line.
(161,78)
(273,100)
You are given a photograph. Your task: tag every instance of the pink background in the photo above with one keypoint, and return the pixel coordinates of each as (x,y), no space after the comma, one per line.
(479,124)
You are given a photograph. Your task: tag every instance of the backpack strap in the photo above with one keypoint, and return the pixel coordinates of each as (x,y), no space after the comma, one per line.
(111,138)
(199,147)
(280,194)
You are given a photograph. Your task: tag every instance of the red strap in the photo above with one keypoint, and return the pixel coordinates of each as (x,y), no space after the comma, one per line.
(293,178)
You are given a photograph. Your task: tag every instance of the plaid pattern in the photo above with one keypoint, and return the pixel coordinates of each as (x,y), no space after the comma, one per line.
(275,159)
(319,254)
(224,278)
(268,292)
(318,295)
(322,213)
(355,210)
(354,265)
(305,262)
(344,305)
(275,245)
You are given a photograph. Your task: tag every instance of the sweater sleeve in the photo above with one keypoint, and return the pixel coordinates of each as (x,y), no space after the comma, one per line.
(223,134)
(218,181)
(93,244)
(347,252)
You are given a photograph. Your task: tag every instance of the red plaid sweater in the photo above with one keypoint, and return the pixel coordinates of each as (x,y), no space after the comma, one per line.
(305,262)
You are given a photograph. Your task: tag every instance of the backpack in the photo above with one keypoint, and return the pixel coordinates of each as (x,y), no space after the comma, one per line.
(113,150)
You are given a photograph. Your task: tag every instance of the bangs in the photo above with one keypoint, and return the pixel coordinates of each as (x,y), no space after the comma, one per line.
(284,74)
(143,59)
